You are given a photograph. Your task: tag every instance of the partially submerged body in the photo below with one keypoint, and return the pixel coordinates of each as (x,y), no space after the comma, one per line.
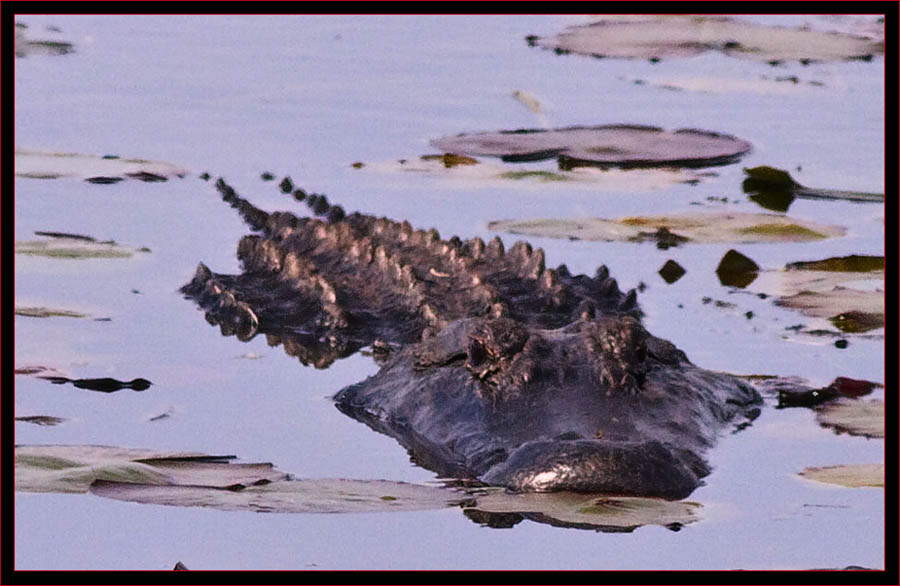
(496,368)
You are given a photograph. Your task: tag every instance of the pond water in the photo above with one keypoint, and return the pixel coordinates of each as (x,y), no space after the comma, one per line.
(308,97)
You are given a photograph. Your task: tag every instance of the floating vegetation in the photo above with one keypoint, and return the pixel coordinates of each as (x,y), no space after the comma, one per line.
(25,47)
(42,420)
(799,395)
(850,476)
(621,145)
(731,227)
(75,246)
(106,169)
(853,416)
(849,310)
(101,385)
(855,263)
(664,37)
(474,173)
(449,160)
(671,271)
(47,312)
(587,511)
(58,468)
(764,85)
(199,480)
(775,189)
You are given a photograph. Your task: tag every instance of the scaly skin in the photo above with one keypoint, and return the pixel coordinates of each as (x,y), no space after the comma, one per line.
(495,368)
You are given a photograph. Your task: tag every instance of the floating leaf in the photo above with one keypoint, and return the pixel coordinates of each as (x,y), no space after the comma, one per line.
(289,496)
(725,85)
(853,416)
(792,393)
(43,420)
(102,385)
(851,308)
(610,145)
(775,189)
(474,173)
(696,227)
(851,476)
(57,468)
(736,270)
(23,46)
(687,36)
(671,271)
(47,312)
(93,168)
(593,511)
(61,245)
(854,263)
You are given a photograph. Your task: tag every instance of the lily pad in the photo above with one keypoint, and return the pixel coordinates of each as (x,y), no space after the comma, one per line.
(694,227)
(730,85)
(24,47)
(775,189)
(43,420)
(620,145)
(325,495)
(658,38)
(93,168)
(850,476)
(850,310)
(59,468)
(47,312)
(853,416)
(473,173)
(61,245)
(569,509)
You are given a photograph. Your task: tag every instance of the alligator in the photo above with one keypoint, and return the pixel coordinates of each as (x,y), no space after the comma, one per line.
(494,369)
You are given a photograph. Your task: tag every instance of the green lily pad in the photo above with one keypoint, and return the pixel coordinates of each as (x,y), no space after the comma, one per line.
(92,168)
(694,227)
(850,476)
(61,245)
(853,416)
(620,145)
(658,38)
(854,263)
(589,510)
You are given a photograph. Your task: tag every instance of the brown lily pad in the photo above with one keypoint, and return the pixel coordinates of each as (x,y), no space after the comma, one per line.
(658,38)
(850,476)
(74,246)
(620,145)
(853,416)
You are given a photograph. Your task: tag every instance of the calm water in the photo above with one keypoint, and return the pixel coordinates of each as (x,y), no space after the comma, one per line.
(308,96)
